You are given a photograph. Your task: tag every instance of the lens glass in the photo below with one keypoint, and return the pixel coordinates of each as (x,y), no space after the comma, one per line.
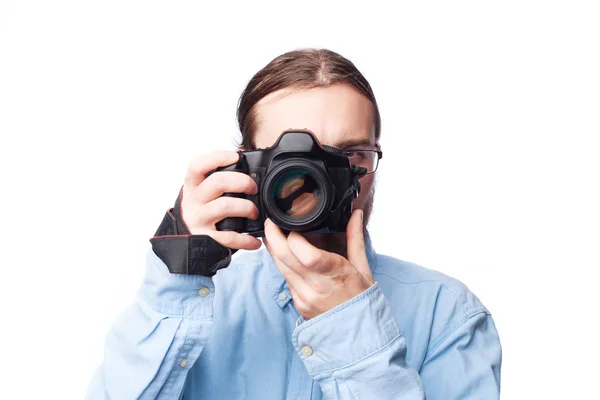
(297,194)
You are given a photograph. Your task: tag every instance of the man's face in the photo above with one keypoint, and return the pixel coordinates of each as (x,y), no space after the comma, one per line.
(338,116)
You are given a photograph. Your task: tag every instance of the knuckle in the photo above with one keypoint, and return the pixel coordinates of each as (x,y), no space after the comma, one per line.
(312,259)
(311,300)
(226,205)
(197,214)
(214,182)
(219,185)
(198,193)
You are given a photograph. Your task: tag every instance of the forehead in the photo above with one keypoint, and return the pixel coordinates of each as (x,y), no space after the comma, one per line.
(338,115)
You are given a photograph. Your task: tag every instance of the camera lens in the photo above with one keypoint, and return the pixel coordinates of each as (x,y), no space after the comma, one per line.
(297,195)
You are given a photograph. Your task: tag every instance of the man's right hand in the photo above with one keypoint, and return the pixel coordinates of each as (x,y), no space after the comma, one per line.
(202,204)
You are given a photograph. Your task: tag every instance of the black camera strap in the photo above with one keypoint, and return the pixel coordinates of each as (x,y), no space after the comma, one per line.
(184,253)
(352,192)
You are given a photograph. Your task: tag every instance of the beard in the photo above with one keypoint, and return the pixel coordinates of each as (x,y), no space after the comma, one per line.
(336,242)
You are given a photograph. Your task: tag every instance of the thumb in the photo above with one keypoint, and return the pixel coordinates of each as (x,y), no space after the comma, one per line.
(355,238)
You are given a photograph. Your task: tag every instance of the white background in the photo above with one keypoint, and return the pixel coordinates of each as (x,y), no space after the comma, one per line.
(491,116)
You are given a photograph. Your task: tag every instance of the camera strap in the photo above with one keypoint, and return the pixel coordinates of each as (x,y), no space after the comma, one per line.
(184,253)
(352,192)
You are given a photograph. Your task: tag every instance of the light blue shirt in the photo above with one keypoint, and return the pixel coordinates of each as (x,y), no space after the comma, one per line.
(237,335)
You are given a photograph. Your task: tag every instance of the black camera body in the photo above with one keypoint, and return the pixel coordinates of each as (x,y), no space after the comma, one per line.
(302,186)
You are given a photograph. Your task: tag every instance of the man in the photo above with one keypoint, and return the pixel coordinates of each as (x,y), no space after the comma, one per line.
(314,316)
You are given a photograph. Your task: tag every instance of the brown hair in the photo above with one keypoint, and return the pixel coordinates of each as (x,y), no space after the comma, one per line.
(299,69)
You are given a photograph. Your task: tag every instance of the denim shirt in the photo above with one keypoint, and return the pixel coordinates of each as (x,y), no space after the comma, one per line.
(415,333)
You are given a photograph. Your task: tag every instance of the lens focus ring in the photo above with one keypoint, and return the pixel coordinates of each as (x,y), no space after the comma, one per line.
(297,195)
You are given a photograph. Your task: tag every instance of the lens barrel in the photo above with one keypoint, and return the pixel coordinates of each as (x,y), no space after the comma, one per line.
(297,195)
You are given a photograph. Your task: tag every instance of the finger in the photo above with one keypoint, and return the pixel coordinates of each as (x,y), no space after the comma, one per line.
(298,296)
(279,248)
(355,239)
(234,240)
(294,280)
(310,256)
(225,207)
(294,293)
(202,165)
(224,182)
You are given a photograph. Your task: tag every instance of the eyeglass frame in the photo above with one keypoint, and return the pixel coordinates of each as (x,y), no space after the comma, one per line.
(378,151)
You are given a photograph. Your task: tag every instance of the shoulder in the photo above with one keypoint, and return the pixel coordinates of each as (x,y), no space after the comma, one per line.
(428,305)
(406,274)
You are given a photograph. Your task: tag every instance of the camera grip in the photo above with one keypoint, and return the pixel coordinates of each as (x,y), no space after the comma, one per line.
(232,223)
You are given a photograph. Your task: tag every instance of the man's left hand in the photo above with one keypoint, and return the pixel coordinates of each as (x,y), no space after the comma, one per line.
(320,280)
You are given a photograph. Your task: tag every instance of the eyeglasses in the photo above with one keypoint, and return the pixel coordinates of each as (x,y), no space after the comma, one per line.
(368,159)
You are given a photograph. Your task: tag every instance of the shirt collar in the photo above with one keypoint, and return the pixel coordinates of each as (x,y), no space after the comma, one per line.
(278,286)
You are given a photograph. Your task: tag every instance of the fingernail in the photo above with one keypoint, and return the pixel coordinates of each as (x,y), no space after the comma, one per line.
(361,215)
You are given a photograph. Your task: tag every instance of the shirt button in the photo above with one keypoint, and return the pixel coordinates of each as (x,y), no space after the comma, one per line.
(183,363)
(307,350)
(204,291)
(282,296)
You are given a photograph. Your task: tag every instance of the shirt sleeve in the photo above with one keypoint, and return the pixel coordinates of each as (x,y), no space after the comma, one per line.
(151,347)
(357,351)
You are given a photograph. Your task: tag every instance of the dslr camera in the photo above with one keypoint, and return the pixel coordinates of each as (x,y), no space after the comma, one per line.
(302,186)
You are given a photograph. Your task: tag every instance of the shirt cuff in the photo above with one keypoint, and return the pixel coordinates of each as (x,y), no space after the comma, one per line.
(176,295)
(346,334)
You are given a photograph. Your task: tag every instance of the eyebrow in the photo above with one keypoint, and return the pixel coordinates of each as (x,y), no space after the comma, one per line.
(353,143)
